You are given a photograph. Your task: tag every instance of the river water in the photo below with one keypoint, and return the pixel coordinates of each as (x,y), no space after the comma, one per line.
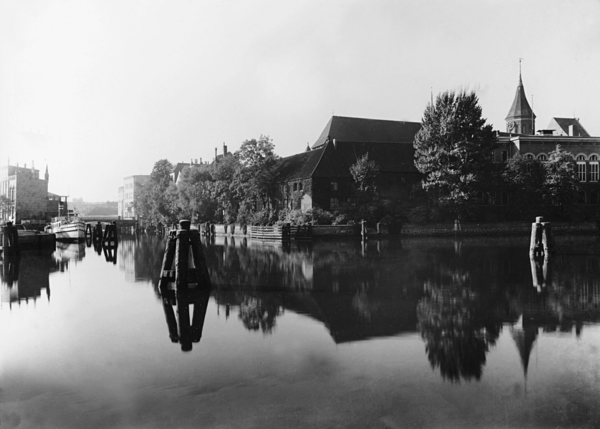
(423,333)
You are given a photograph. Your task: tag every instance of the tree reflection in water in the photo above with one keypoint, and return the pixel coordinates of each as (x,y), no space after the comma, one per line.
(257,313)
(459,316)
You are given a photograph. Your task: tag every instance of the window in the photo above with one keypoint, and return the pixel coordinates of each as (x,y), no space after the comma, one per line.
(581,171)
(504,155)
(580,157)
(542,157)
(593,171)
(594,197)
(334,186)
(300,186)
(581,197)
(529,156)
(594,157)
(334,203)
(295,186)
(504,198)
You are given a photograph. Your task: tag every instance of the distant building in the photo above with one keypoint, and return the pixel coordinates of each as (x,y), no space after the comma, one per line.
(520,138)
(128,193)
(26,194)
(320,177)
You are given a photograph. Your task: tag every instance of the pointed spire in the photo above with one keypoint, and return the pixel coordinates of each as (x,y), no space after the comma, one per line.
(46,175)
(520,118)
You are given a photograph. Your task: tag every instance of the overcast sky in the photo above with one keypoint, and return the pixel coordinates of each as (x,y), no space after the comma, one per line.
(101,90)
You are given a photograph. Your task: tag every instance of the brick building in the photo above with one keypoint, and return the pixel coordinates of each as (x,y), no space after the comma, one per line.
(26,194)
(320,176)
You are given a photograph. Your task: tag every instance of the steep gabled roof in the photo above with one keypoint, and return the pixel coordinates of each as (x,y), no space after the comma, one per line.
(390,157)
(563,125)
(346,129)
(300,166)
(520,107)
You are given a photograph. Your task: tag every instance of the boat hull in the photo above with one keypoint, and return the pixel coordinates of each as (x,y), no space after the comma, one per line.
(73,231)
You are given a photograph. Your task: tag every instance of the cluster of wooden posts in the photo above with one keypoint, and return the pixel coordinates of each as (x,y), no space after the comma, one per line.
(184,280)
(104,239)
(259,232)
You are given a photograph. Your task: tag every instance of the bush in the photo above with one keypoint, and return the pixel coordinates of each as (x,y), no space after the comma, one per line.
(320,216)
(418,215)
(340,219)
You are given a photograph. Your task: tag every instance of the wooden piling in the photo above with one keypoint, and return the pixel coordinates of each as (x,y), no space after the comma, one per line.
(10,239)
(541,244)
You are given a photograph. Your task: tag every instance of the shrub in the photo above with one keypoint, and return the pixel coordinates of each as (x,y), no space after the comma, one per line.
(418,215)
(320,216)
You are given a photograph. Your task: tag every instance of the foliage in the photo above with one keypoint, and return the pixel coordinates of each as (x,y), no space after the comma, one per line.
(195,192)
(254,181)
(560,183)
(453,149)
(365,173)
(319,216)
(153,203)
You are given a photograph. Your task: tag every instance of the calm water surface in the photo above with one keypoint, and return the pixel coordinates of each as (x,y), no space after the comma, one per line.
(427,333)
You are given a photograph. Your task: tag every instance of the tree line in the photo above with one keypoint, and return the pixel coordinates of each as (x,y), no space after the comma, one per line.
(453,151)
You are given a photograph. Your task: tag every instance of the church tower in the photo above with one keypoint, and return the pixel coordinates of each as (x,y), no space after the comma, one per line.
(520,119)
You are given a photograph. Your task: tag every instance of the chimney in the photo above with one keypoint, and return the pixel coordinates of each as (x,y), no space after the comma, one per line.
(224,149)
(200,160)
(571,130)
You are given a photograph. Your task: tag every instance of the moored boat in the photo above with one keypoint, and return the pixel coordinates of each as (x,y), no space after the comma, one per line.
(67,228)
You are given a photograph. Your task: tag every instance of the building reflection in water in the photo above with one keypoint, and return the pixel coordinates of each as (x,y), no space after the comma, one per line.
(457,294)
(140,256)
(24,278)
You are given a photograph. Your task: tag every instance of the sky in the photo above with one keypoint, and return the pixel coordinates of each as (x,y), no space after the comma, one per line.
(101,90)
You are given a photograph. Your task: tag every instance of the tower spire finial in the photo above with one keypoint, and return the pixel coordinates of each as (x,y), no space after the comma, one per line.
(520,80)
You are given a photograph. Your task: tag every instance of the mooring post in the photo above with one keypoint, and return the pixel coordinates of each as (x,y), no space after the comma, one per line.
(363,229)
(10,239)
(182,251)
(88,229)
(535,244)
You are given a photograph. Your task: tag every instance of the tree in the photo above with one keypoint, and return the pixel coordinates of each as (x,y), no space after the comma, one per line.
(195,193)
(453,149)
(156,201)
(524,179)
(561,182)
(365,173)
(254,182)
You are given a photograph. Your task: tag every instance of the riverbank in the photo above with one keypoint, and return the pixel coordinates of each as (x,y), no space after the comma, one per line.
(495,229)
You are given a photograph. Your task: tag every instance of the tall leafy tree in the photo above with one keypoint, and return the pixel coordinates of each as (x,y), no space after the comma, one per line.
(561,182)
(454,148)
(155,202)
(524,179)
(255,181)
(195,193)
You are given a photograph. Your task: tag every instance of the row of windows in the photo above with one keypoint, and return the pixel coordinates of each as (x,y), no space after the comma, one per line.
(582,173)
(544,157)
(503,198)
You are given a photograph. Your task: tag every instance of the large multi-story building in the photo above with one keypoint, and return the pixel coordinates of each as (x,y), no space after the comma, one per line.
(320,176)
(128,193)
(25,194)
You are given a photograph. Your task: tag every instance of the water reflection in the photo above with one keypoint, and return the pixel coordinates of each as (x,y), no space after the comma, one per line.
(24,278)
(180,329)
(140,256)
(458,295)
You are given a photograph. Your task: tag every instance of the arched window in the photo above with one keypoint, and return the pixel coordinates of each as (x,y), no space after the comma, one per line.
(529,156)
(580,157)
(542,157)
(594,197)
(581,197)
(594,157)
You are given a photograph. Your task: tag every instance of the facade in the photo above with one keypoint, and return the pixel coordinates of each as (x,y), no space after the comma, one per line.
(320,176)
(26,194)
(569,133)
(127,195)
